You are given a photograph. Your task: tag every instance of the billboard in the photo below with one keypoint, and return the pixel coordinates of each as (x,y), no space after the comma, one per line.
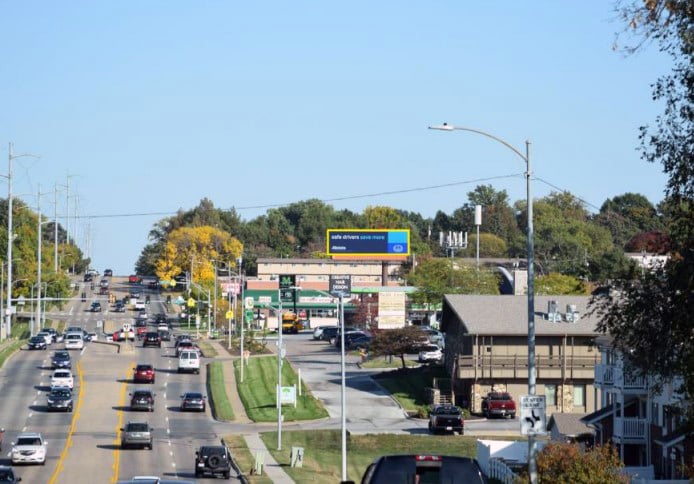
(375,242)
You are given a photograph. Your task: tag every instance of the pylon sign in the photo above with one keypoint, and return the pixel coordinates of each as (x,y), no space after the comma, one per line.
(533,416)
(287,283)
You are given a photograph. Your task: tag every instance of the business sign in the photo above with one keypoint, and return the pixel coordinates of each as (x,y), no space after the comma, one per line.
(391,310)
(341,284)
(287,285)
(288,395)
(533,416)
(376,242)
(231,287)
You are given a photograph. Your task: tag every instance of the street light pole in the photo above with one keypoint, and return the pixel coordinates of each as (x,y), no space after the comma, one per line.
(532,458)
(343,404)
(279,370)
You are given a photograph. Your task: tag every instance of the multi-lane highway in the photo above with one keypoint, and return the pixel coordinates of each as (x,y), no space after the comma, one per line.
(84,446)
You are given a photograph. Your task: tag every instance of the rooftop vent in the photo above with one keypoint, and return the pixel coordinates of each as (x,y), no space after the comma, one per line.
(553,311)
(572,315)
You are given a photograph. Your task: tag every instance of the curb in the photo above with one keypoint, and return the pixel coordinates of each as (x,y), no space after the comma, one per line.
(239,473)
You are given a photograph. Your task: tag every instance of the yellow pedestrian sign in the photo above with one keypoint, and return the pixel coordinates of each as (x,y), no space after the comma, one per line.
(229,314)
(191,302)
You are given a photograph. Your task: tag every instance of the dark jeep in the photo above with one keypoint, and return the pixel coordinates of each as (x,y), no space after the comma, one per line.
(214,460)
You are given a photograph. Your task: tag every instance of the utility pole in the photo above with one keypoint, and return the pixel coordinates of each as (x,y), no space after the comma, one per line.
(55,229)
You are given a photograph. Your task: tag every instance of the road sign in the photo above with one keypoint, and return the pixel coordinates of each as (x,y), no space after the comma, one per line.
(249,315)
(533,418)
(287,281)
(341,284)
(229,314)
(191,302)
(249,303)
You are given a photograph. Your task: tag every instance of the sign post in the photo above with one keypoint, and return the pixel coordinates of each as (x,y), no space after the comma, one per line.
(533,416)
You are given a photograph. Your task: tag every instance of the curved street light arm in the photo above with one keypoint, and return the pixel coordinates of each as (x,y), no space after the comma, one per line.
(449,127)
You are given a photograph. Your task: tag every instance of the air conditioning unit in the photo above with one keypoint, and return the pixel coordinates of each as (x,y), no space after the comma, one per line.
(553,311)
(572,315)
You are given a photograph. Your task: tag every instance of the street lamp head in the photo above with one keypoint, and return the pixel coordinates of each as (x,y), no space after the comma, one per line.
(443,127)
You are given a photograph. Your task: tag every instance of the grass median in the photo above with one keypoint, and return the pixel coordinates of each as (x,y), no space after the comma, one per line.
(220,400)
(257,392)
(21,332)
(323,451)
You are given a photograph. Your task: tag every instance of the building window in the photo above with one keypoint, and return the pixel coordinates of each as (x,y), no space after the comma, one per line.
(551,395)
(579,395)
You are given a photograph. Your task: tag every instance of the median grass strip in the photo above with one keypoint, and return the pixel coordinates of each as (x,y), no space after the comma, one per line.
(220,400)
(322,451)
(21,332)
(257,392)
(244,458)
(409,387)
(207,350)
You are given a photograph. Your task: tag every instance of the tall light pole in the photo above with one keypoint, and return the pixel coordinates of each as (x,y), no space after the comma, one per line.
(532,462)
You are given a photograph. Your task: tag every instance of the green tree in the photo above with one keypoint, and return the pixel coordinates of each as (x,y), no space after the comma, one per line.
(556,284)
(490,246)
(626,215)
(651,321)
(396,342)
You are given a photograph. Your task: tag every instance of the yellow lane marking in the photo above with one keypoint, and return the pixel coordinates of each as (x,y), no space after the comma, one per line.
(73,424)
(116,442)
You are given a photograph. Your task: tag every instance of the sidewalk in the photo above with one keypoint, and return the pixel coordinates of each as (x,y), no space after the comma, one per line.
(255,444)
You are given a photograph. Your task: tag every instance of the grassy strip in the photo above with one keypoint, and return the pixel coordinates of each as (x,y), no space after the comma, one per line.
(244,458)
(220,401)
(408,387)
(207,350)
(388,362)
(257,392)
(322,451)
(8,350)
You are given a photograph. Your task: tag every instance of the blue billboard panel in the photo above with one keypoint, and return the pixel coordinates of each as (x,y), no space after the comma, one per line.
(376,242)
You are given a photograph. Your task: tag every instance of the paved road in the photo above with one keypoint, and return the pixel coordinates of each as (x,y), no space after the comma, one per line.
(93,453)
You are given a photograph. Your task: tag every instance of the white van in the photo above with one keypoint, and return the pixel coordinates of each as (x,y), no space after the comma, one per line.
(73,341)
(189,361)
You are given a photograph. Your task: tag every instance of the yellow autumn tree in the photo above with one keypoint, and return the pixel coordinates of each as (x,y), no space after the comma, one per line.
(198,247)
(382,217)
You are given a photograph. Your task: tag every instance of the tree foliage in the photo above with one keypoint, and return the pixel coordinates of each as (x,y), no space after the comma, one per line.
(651,242)
(650,318)
(396,342)
(562,463)
(560,284)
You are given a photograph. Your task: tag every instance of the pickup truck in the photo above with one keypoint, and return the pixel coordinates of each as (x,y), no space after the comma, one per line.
(446,418)
(498,404)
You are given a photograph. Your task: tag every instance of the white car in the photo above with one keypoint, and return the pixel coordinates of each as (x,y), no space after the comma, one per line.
(30,447)
(47,336)
(430,353)
(74,341)
(140,305)
(62,378)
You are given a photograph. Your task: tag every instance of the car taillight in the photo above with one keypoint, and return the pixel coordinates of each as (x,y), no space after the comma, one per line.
(427,458)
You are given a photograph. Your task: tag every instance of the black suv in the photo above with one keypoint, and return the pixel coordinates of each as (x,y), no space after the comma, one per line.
(60,399)
(423,468)
(214,460)
(152,339)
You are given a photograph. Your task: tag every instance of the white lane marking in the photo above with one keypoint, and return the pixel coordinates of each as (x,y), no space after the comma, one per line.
(24,429)
(31,413)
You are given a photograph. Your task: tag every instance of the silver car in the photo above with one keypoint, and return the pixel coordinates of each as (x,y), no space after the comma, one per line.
(136,434)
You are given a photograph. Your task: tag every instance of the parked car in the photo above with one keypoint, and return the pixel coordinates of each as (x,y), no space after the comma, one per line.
(142,400)
(446,418)
(62,378)
(498,404)
(136,434)
(29,448)
(193,401)
(430,353)
(37,343)
(61,359)
(349,336)
(144,373)
(213,460)
(59,398)
(423,468)
(318,332)
(361,342)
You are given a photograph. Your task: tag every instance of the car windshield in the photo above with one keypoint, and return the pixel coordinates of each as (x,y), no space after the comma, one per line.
(6,475)
(142,394)
(447,411)
(191,396)
(500,396)
(62,392)
(137,427)
(61,354)
(61,374)
(28,441)
(431,348)
(144,367)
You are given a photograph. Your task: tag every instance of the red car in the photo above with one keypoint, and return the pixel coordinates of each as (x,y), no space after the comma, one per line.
(143,374)
(134,279)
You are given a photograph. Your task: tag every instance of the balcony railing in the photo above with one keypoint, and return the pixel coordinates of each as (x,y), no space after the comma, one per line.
(630,383)
(630,428)
(516,367)
(604,374)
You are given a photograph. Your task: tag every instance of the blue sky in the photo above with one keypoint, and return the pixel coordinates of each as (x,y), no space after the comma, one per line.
(150,106)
